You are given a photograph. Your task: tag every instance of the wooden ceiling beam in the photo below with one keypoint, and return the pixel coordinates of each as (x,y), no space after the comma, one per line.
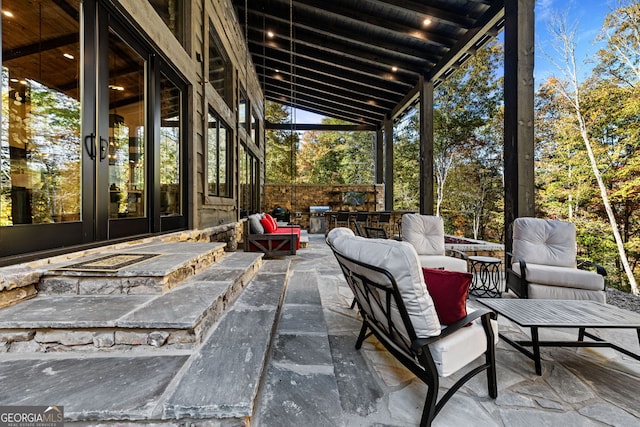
(328,70)
(319,89)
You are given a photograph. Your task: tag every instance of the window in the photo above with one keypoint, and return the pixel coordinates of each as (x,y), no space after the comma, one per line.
(172,13)
(248,168)
(40,148)
(243,107)
(170,137)
(254,127)
(220,70)
(219,157)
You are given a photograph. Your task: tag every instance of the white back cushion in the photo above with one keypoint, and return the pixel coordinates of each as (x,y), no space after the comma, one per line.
(339,232)
(544,241)
(399,259)
(424,232)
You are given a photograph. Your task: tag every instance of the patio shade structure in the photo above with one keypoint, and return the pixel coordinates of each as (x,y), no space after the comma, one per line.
(363,61)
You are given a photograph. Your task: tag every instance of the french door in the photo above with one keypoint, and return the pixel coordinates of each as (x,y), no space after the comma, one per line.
(91,145)
(117,146)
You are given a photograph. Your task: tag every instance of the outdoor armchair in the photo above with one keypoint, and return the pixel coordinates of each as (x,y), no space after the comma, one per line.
(543,263)
(426,234)
(397,306)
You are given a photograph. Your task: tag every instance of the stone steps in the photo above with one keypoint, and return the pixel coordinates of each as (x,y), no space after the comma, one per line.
(173,263)
(213,385)
(177,319)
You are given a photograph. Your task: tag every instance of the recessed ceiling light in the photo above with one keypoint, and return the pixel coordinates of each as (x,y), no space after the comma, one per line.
(270,34)
(7,13)
(426,22)
(394,68)
(115,87)
(277,71)
(68,56)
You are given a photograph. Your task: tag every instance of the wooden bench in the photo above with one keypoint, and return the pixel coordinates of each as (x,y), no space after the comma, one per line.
(386,279)
(284,242)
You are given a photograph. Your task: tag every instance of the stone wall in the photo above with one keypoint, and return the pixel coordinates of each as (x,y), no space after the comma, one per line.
(297,198)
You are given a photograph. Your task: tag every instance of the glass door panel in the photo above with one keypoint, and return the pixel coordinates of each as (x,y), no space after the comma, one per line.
(127,131)
(170,143)
(40,148)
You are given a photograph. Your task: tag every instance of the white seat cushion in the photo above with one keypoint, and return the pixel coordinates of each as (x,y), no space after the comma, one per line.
(461,348)
(424,232)
(555,292)
(401,260)
(562,276)
(443,262)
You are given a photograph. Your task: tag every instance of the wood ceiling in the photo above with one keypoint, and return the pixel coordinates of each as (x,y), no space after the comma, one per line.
(356,60)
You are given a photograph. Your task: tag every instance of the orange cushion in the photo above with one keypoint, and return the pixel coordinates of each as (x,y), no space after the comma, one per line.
(449,290)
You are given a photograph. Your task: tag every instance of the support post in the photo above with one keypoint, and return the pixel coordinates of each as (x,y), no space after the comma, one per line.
(379,157)
(426,147)
(388,164)
(519,113)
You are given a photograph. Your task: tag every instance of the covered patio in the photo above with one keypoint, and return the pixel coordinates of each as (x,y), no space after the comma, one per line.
(365,62)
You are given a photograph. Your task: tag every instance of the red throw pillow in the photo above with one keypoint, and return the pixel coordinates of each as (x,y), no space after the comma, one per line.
(267,224)
(273,221)
(448,290)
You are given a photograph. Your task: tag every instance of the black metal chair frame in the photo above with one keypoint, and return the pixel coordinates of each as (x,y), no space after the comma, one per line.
(358,229)
(376,233)
(376,288)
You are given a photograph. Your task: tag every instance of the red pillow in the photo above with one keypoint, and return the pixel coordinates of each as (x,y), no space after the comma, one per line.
(267,224)
(449,290)
(273,221)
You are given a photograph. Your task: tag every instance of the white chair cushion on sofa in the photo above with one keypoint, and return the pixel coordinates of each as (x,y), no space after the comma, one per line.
(562,276)
(399,259)
(424,232)
(461,348)
(543,241)
(443,262)
(558,293)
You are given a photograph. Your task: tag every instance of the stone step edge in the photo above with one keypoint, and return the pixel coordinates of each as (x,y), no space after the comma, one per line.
(223,406)
(52,282)
(114,337)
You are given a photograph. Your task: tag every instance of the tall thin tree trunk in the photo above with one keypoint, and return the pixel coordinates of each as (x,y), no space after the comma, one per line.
(567,47)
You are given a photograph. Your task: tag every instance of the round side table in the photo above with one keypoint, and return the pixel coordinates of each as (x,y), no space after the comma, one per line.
(486,276)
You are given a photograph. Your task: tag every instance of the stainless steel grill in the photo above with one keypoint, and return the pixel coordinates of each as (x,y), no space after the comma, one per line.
(317,221)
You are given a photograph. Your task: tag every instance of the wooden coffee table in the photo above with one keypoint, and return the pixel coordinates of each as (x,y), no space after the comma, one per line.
(542,313)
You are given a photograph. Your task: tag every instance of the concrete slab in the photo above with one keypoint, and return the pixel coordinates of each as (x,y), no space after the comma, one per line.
(116,388)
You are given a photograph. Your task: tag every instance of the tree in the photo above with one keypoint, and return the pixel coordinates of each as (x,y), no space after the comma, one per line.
(281,148)
(463,104)
(571,91)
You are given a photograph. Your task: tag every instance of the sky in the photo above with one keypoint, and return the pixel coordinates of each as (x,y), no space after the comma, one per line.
(587,15)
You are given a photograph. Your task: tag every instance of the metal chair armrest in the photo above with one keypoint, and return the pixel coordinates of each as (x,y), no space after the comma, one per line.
(456,254)
(583,264)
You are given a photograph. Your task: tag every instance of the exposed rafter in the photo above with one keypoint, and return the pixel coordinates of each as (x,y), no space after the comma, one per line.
(356,60)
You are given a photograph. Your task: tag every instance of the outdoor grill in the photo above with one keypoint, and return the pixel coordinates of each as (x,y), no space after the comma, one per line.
(317,220)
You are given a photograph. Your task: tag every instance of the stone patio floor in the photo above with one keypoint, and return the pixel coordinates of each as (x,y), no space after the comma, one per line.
(578,387)
(314,376)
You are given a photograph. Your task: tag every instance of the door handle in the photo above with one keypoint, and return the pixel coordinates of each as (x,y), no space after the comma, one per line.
(104,145)
(90,146)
